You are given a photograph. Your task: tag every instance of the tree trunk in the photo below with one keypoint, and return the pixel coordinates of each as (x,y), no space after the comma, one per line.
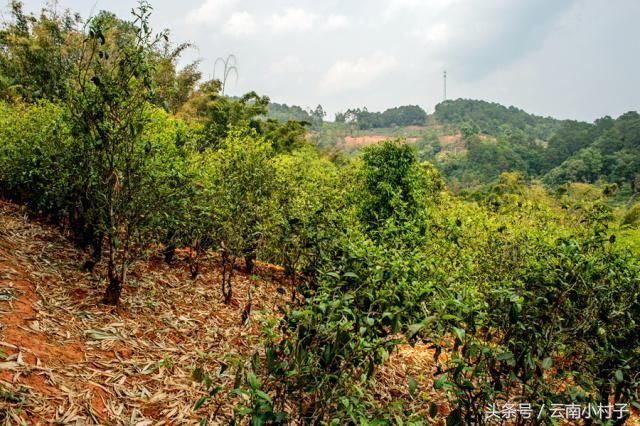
(248,263)
(250,253)
(293,286)
(96,256)
(169,248)
(228,264)
(112,295)
(194,264)
(78,227)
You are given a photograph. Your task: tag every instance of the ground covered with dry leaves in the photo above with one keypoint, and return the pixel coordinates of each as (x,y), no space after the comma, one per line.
(67,359)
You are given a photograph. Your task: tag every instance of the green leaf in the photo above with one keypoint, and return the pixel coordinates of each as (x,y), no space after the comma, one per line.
(619,376)
(252,380)
(263,396)
(433,410)
(345,401)
(454,418)
(439,383)
(413,385)
(459,332)
(200,402)
(547,363)
(243,410)
(414,329)
(505,356)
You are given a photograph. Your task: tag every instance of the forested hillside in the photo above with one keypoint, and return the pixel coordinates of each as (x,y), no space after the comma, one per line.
(283,112)
(171,254)
(471,142)
(541,148)
(492,118)
(408,115)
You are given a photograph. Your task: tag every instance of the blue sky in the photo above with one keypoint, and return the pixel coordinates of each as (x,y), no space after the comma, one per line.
(565,58)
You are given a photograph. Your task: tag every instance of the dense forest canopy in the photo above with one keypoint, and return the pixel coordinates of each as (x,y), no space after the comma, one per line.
(284,112)
(490,117)
(409,115)
(134,157)
(496,139)
(541,148)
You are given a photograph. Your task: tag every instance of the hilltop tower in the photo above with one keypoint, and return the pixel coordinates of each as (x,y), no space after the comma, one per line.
(444,80)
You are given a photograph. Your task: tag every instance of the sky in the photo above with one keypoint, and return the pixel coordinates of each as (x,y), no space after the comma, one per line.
(576,59)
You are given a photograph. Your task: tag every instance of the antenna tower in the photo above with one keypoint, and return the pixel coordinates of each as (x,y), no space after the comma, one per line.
(444,77)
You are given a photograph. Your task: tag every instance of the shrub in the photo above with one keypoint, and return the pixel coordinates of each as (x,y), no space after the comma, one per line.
(393,184)
(632,216)
(563,328)
(242,187)
(307,203)
(37,159)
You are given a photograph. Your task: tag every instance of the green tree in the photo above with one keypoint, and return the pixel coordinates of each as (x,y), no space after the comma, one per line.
(173,86)
(308,201)
(242,195)
(469,129)
(317,116)
(393,184)
(428,146)
(37,54)
(37,157)
(110,101)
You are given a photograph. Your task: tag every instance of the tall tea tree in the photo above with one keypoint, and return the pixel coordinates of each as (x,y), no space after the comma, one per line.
(110,106)
(244,184)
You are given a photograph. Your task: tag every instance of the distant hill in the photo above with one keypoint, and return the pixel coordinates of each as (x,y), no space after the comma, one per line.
(406,115)
(556,151)
(473,141)
(607,149)
(284,112)
(493,118)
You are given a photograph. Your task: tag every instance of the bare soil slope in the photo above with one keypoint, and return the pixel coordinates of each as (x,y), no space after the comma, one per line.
(67,359)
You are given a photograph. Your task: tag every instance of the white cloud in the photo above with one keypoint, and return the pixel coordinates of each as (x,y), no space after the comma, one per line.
(287,65)
(395,7)
(240,24)
(292,20)
(477,40)
(334,22)
(209,12)
(435,35)
(358,74)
